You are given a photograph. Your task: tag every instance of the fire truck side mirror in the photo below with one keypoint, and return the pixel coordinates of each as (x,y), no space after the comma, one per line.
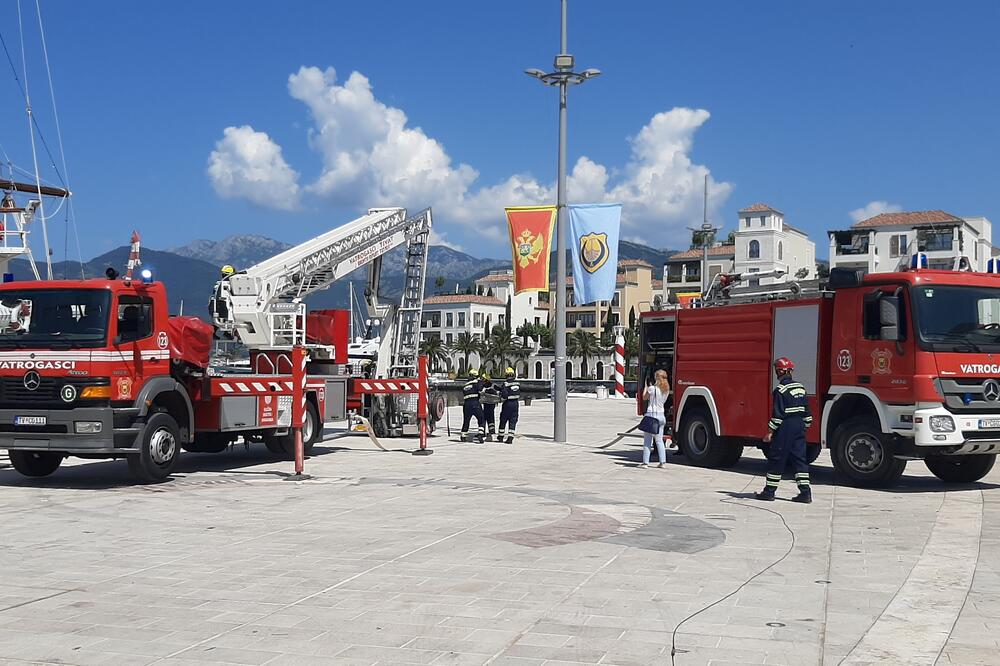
(888,308)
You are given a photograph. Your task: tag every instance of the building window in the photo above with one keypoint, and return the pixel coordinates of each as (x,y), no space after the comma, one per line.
(753,251)
(897,245)
(432,320)
(538,321)
(448,318)
(461,320)
(478,320)
(617,299)
(448,339)
(538,369)
(763,220)
(600,369)
(779,250)
(746,223)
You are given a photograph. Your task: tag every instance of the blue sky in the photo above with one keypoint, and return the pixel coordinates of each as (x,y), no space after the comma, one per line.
(817,109)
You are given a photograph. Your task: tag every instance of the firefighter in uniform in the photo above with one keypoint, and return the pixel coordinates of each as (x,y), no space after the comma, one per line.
(490,407)
(510,394)
(787,433)
(471,406)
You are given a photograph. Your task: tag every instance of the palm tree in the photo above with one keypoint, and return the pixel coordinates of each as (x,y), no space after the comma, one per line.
(434,349)
(585,345)
(631,346)
(500,346)
(465,344)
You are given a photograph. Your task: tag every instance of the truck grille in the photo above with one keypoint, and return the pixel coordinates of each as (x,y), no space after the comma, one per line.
(957,390)
(13,393)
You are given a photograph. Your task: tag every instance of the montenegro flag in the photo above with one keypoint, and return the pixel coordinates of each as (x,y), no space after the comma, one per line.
(530,243)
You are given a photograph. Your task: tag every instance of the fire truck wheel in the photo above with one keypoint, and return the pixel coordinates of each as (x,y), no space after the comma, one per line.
(159,449)
(732,452)
(960,469)
(698,440)
(812,452)
(284,445)
(35,463)
(863,455)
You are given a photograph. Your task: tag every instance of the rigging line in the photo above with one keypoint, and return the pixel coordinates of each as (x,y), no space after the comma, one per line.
(34,152)
(21,88)
(70,209)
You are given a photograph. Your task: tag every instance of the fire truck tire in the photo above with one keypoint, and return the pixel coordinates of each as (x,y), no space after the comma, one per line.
(812,452)
(284,445)
(960,469)
(159,449)
(698,441)
(35,463)
(864,455)
(732,452)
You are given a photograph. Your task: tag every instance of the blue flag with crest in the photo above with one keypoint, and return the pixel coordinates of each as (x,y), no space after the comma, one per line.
(594,247)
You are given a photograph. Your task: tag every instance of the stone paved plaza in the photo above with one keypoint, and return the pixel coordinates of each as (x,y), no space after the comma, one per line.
(532,553)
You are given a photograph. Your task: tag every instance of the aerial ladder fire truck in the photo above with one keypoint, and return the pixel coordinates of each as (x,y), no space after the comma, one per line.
(98,369)
(898,366)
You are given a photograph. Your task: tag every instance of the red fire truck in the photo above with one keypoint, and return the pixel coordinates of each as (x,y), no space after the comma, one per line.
(98,369)
(898,366)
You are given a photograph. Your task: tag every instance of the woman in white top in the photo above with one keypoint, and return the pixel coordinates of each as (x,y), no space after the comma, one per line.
(656,398)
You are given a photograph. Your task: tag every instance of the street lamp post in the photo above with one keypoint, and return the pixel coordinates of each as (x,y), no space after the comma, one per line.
(563,77)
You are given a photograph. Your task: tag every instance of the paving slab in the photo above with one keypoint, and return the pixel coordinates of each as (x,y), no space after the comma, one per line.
(531,553)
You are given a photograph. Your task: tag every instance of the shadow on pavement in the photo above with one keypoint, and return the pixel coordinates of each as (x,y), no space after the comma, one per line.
(237,462)
(821,472)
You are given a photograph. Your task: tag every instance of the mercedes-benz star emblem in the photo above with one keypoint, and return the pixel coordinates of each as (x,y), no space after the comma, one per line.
(32,381)
(991,390)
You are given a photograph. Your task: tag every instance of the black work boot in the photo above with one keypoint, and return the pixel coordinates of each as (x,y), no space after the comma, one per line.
(766,495)
(805,496)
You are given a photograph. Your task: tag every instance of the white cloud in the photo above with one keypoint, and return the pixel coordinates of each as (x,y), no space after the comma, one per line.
(371,156)
(873,208)
(248,164)
(441,240)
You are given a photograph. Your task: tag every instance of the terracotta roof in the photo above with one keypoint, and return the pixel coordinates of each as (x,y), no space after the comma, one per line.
(916,217)
(462,298)
(759,208)
(626,263)
(497,277)
(718,251)
(657,284)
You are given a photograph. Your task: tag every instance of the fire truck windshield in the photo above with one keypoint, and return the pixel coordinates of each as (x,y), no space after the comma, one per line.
(53,318)
(957,318)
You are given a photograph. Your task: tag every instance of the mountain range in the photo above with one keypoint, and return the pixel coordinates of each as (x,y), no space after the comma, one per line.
(190,271)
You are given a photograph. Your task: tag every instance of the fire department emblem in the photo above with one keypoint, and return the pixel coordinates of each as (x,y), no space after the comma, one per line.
(529,248)
(162,340)
(593,251)
(125,387)
(844,360)
(881,359)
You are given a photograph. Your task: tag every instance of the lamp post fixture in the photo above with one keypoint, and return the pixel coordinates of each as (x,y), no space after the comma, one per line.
(563,76)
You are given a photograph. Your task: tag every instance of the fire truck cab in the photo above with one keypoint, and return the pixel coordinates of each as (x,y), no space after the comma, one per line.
(898,366)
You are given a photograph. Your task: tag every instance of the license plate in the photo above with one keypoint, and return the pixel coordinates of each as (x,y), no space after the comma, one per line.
(40,420)
(985,424)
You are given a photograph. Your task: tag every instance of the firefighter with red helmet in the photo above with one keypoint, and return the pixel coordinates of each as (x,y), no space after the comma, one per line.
(790,418)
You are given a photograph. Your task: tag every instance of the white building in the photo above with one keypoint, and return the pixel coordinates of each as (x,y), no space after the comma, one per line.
(765,242)
(527,307)
(682,271)
(882,243)
(447,315)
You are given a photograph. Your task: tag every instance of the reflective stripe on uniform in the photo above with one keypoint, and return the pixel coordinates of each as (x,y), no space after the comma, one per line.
(773,480)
